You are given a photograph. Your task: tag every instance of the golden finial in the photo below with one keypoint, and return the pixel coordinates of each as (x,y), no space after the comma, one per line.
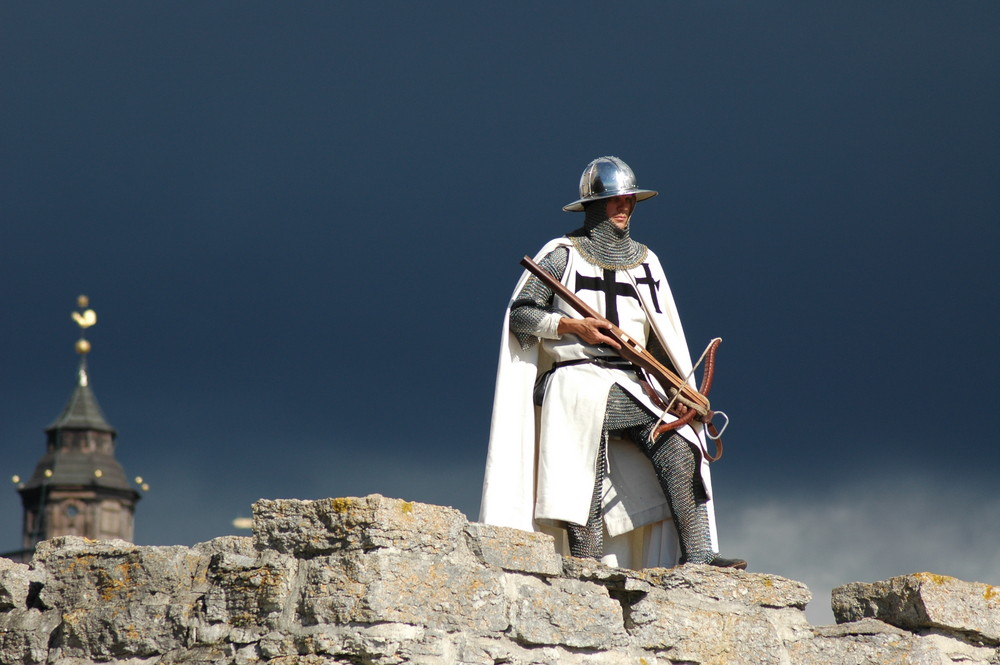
(84,319)
(87,317)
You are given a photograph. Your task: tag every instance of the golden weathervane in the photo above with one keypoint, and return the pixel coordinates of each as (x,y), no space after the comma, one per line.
(84,319)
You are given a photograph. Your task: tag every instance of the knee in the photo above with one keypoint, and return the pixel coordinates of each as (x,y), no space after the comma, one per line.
(676,451)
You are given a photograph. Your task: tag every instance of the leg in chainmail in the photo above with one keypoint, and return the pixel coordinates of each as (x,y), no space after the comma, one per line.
(676,464)
(587,541)
(621,413)
(676,468)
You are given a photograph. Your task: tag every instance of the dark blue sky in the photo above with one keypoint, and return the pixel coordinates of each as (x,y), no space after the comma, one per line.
(299,225)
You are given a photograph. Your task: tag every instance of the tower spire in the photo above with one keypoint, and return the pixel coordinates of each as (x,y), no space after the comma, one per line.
(79,487)
(82,410)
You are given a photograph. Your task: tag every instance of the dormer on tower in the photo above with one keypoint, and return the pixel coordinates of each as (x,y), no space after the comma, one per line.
(78,487)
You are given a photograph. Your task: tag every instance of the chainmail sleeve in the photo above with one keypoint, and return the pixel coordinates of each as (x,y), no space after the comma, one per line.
(531,313)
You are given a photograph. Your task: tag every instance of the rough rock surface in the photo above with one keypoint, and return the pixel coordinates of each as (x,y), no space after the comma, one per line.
(377,581)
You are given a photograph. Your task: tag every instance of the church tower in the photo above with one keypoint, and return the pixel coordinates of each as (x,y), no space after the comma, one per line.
(78,487)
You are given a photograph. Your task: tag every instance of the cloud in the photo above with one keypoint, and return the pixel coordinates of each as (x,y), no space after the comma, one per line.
(867,530)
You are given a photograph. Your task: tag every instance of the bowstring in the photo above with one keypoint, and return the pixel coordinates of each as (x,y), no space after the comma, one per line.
(677,392)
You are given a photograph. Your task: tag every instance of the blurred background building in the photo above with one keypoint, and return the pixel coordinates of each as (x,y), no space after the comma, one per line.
(78,486)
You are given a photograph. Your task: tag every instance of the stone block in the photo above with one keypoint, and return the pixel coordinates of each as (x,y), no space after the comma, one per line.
(14,583)
(228,544)
(194,655)
(729,584)
(589,570)
(403,587)
(687,626)
(564,612)
(515,550)
(923,601)
(83,572)
(862,649)
(249,591)
(665,607)
(24,635)
(855,628)
(118,600)
(24,626)
(374,643)
(953,650)
(316,528)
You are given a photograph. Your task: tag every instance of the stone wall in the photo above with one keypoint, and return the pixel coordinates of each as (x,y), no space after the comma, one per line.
(382,581)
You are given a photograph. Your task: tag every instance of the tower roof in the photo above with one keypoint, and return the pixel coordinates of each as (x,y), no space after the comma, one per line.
(77,469)
(69,465)
(82,410)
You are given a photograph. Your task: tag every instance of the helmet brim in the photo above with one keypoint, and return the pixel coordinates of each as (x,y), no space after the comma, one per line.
(640,195)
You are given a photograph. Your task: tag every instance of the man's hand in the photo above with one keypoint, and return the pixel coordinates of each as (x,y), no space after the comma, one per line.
(590,330)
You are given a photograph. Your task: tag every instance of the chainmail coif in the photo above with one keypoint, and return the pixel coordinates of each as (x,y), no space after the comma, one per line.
(603,244)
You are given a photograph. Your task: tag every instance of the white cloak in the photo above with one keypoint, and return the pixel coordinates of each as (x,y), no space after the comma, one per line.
(540,469)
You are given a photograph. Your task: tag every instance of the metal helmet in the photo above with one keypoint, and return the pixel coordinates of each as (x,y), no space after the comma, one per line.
(604,178)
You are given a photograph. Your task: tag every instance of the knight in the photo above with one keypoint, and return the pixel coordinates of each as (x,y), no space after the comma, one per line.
(572,446)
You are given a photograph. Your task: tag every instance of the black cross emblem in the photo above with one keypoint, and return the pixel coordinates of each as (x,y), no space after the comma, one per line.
(612,289)
(653,286)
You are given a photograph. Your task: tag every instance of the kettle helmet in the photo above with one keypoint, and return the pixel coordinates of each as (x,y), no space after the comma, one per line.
(604,178)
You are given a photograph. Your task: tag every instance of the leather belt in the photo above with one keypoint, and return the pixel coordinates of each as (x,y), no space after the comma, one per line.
(610,362)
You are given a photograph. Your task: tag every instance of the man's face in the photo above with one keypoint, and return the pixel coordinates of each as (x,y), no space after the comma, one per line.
(619,209)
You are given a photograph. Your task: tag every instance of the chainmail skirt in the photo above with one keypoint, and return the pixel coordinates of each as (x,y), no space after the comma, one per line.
(676,465)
